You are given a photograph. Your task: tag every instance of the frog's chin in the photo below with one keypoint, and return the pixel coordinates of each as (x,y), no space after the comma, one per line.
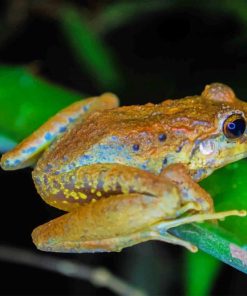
(238,156)
(212,165)
(232,158)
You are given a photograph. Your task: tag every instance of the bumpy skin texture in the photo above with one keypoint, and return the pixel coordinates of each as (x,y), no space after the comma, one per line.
(127,174)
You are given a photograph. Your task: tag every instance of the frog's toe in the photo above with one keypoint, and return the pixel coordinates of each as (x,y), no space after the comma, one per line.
(190,206)
(44,238)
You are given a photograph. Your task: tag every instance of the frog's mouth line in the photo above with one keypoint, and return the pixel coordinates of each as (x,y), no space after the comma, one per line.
(203,172)
(236,157)
(232,159)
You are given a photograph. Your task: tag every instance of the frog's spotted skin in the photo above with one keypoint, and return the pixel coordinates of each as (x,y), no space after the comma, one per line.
(27,152)
(128,174)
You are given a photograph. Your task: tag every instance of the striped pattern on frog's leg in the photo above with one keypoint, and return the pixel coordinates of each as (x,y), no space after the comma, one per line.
(91,183)
(27,152)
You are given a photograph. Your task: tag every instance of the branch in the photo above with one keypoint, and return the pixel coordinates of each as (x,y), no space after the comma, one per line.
(98,276)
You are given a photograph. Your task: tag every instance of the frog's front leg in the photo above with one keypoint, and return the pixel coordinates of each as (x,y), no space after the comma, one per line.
(179,175)
(133,206)
(28,151)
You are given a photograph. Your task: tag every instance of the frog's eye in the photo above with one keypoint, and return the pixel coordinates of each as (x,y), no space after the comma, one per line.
(234,126)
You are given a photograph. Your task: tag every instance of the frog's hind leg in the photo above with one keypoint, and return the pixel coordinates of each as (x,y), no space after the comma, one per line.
(26,153)
(62,235)
(114,244)
(113,206)
(109,225)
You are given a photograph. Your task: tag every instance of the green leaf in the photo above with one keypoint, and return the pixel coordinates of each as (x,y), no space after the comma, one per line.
(26,102)
(201,270)
(228,240)
(226,196)
(91,51)
(120,13)
(6,144)
(215,241)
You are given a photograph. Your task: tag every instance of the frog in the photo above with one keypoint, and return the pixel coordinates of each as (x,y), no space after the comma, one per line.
(126,175)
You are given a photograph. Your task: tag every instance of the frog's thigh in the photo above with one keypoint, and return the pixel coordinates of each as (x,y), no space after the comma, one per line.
(115,223)
(27,152)
(94,182)
(108,225)
(190,191)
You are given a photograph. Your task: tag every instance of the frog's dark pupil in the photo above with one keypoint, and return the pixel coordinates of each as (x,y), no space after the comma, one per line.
(237,127)
(136,147)
(231,126)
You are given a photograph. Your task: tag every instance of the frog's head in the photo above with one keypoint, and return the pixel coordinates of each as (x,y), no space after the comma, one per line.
(226,140)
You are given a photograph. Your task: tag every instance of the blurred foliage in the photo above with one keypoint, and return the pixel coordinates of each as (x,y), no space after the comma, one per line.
(90,50)
(200,271)
(27,101)
(120,13)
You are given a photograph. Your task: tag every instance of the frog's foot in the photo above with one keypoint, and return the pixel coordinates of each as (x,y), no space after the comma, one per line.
(166,225)
(190,206)
(115,244)
(161,228)
(91,228)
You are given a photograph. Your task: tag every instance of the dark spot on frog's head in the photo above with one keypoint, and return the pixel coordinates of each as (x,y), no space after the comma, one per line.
(136,147)
(165,161)
(71,166)
(71,119)
(48,136)
(162,137)
(29,150)
(85,108)
(48,168)
(17,161)
(179,148)
(62,129)
(144,166)
(114,138)
(86,156)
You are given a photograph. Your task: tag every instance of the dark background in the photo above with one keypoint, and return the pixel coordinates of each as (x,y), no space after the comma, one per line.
(169,53)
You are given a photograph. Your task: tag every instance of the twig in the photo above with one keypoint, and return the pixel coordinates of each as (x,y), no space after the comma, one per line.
(98,276)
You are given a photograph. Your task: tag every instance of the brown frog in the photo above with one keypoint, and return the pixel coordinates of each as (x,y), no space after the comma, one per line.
(128,174)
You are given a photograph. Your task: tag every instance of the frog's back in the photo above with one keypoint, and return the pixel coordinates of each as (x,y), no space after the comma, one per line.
(130,134)
(107,128)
